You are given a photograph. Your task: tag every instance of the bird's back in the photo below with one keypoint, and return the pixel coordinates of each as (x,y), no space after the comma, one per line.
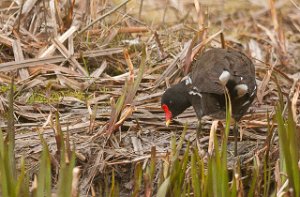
(205,76)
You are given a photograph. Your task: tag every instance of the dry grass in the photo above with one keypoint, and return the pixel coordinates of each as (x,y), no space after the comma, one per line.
(70,59)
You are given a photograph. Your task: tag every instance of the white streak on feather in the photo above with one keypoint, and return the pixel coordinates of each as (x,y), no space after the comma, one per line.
(247,102)
(195,88)
(224,77)
(242,89)
(253,92)
(188,80)
(195,93)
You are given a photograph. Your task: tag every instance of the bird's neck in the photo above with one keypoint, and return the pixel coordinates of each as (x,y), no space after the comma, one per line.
(182,95)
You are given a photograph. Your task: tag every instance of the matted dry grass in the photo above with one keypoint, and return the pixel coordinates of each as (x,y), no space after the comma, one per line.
(70,59)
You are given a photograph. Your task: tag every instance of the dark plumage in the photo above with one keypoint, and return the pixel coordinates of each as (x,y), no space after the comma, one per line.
(203,88)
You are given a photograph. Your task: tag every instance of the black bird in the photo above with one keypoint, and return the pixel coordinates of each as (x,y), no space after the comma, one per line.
(203,88)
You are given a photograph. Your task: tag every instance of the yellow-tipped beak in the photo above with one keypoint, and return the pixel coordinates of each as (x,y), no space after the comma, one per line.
(168,122)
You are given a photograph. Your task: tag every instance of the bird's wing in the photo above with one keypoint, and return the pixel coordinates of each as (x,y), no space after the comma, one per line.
(209,67)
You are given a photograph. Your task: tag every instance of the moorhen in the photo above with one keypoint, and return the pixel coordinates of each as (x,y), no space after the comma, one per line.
(203,88)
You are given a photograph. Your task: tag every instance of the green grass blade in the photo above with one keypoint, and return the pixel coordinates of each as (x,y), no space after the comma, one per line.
(184,164)
(255,176)
(210,179)
(7,157)
(203,176)
(116,110)
(132,92)
(293,137)
(67,164)
(3,173)
(138,173)
(163,189)
(234,187)
(266,160)
(66,177)
(11,132)
(112,188)
(283,143)
(195,176)
(181,140)
(20,189)
(289,156)
(44,176)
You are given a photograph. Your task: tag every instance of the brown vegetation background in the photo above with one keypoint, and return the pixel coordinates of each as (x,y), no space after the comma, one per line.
(75,57)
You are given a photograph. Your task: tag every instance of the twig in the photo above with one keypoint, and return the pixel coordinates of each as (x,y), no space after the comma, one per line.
(294,3)
(223,40)
(141,9)
(8,66)
(103,16)
(19,18)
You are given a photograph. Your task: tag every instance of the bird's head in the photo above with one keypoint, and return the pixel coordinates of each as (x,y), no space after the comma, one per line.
(174,101)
